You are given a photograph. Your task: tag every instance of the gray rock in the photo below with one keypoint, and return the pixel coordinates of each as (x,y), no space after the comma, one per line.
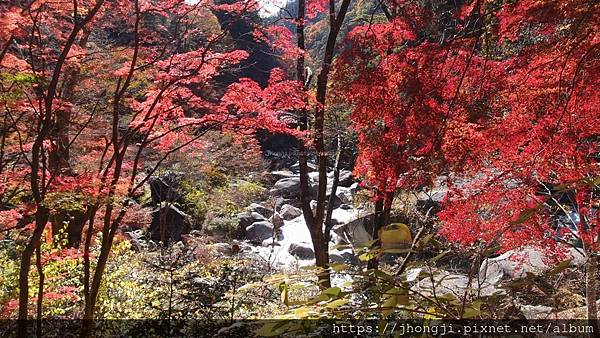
(354,188)
(532,312)
(169,223)
(222,248)
(345,178)
(447,283)
(165,188)
(345,195)
(356,232)
(264,211)
(289,212)
(345,256)
(287,187)
(516,264)
(280,202)
(270,242)
(313,206)
(279,174)
(431,199)
(296,167)
(247,218)
(196,233)
(259,231)
(302,250)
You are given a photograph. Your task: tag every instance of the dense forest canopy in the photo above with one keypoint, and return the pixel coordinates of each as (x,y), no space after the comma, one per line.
(189,159)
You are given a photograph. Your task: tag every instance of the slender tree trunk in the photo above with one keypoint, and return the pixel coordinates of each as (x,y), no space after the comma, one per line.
(377,223)
(40,224)
(334,186)
(40,294)
(383,208)
(316,233)
(86,266)
(591,289)
(315,221)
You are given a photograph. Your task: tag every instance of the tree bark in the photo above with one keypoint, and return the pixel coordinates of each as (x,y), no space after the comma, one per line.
(40,294)
(334,186)
(591,290)
(40,223)
(383,208)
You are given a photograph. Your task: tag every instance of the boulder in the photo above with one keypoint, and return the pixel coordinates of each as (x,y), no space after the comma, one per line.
(533,312)
(270,242)
(431,200)
(164,188)
(287,187)
(302,250)
(296,167)
(344,214)
(259,231)
(342,256)
(313,206)
(279,174)
(247,218)
(264,211)
(356,232)
(345,178)
(354,188)
(345,195)
(289,212)
(169,223)
(448,283)
(314,176)
(516,264)
(222,248)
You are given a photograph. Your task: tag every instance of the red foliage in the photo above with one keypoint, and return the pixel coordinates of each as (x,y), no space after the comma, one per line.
(507,118)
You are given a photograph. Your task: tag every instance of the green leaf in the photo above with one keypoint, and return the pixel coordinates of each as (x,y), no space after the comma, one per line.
(337,267)
(473,310)
(425,240)
(332,292)
(367,256)
(559,268)
(394,297)
(439,256)
(284,288)
(337,303)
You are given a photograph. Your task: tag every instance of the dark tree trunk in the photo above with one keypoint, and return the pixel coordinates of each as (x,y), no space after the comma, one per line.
(383,208)
(40,294)
(315,221)
(41,218)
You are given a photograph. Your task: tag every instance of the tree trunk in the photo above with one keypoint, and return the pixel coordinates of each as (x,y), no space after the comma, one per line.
(373,263)
(315,221)
(40,294)
(383,208)
(334,186)
(41,218)
(591,290)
